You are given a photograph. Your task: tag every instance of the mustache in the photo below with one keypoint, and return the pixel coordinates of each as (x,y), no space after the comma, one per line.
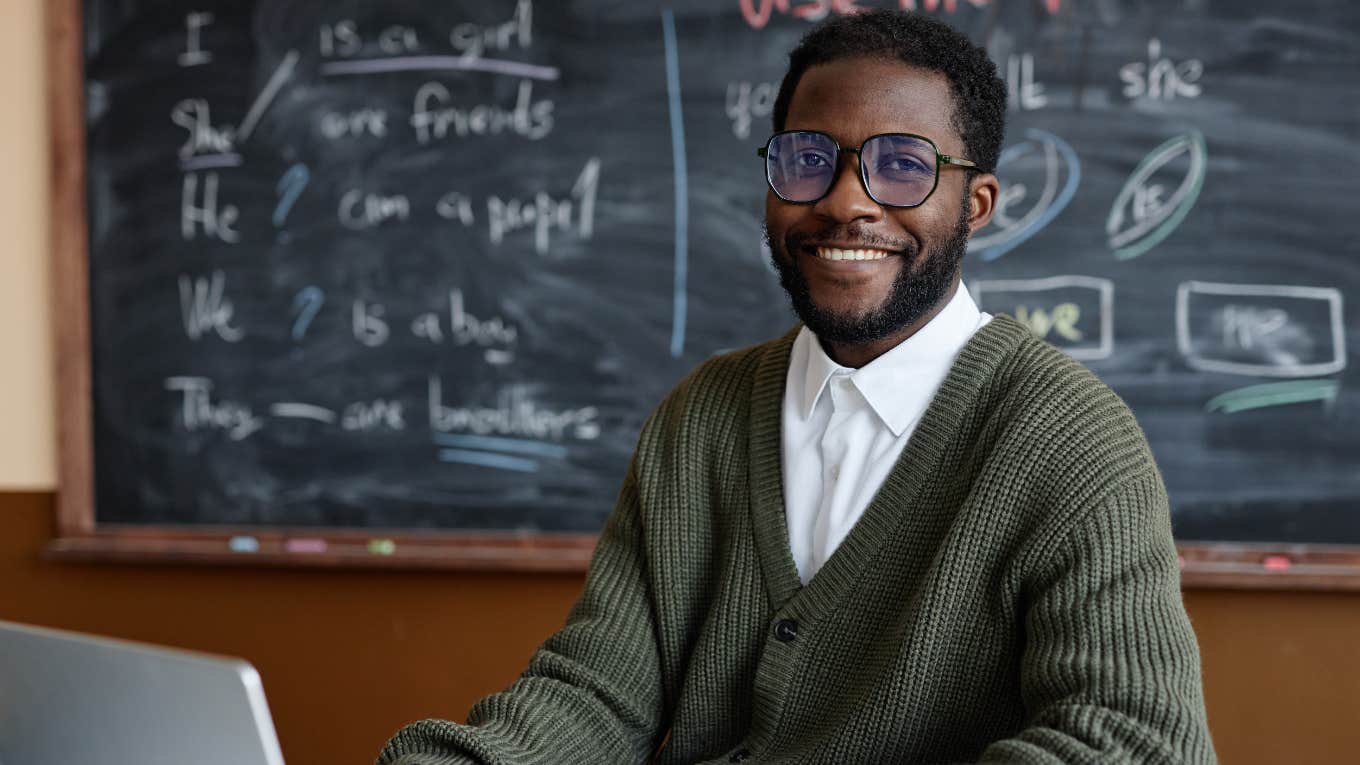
(796,240)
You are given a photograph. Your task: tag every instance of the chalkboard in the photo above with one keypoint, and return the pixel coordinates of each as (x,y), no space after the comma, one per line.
(426,267)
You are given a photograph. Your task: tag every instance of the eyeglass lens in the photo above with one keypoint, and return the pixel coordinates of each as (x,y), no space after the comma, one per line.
(898,170)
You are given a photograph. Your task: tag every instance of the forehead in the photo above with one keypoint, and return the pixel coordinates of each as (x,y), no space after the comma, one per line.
(854,98)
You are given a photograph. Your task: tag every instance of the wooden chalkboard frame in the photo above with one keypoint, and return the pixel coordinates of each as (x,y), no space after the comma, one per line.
(79,537)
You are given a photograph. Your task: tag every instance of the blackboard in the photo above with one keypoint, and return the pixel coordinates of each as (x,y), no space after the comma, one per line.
(428,266)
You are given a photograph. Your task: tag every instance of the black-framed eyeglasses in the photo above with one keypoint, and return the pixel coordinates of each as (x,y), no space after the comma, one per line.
(897,169)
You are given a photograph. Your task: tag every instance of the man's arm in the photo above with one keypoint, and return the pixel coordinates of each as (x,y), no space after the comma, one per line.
(1111,669)
(591,693)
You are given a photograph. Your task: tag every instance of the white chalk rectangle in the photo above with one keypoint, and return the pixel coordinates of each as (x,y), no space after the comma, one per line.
(1260,330)
(1103,344)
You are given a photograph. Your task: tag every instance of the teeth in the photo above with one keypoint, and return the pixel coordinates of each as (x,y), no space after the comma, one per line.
(833,253)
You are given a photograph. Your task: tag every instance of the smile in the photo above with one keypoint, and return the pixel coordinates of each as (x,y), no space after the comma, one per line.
(835,253)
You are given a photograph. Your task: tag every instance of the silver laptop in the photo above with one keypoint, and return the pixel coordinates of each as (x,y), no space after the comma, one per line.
(78,699)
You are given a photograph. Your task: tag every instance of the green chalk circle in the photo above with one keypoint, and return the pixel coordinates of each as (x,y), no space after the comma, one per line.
(1130,242)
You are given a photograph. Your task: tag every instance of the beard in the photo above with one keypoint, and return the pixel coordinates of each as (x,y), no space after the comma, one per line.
(920,285)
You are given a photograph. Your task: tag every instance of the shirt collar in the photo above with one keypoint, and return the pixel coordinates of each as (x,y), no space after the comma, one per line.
(916,365)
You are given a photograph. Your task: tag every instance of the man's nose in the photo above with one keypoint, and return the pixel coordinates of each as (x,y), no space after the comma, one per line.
(848,200)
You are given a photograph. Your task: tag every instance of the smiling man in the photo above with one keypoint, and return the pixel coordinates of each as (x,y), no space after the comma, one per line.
(906,531)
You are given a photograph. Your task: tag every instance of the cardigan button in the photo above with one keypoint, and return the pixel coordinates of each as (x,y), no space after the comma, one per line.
(741,755)
(786,630)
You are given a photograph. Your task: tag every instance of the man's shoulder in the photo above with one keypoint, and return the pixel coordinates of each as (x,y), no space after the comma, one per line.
(1041,379)
(1060,410)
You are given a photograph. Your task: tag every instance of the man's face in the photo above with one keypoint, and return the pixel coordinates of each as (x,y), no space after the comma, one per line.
(863,302)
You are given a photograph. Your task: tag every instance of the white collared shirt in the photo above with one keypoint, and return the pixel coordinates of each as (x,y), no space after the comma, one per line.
(843,429)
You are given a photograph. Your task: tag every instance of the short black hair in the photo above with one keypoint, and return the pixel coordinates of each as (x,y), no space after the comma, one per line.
(920,41)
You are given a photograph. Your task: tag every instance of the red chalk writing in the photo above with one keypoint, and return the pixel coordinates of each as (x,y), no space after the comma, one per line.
(934,5)
(758,13)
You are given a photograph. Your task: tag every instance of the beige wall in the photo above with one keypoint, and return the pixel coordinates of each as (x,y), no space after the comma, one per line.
(27,419)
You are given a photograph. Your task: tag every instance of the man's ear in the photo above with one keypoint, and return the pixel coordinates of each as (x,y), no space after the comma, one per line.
(982,192)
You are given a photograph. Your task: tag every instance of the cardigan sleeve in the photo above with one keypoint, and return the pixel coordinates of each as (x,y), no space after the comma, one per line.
(1111,669)
(591,692)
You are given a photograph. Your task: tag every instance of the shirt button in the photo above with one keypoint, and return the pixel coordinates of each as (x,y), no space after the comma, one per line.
(835,472)
(741,755)
(786,630)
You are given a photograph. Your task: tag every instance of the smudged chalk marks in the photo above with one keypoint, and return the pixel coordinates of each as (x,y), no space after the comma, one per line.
(1261,330)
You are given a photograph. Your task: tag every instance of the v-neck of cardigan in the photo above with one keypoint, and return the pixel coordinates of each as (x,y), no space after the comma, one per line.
(895,501)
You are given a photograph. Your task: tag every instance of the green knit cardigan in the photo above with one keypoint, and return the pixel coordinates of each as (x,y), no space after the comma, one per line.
(1011,594)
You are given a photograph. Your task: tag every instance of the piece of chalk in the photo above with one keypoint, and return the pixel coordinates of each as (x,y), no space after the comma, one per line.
(382,546)
(1276,563)
(244,544)
(304,545)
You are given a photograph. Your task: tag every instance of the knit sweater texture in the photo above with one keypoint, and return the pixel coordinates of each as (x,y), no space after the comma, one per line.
(1011,594)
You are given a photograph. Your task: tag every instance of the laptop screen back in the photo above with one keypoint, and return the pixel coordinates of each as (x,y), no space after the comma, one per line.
(74,699)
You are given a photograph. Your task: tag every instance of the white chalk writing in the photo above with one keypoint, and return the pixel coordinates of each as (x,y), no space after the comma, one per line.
(514,414)
(198,410)
(1160,78)
(545,214)
(361,210)
(204,308)
(368,325)
(432,118)
(194,54)
(217,223)
(747,101)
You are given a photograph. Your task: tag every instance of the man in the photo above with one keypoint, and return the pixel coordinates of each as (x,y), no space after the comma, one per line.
(906,532)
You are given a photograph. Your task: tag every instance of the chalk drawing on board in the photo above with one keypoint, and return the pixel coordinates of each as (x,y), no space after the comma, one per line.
(1141,217)
(266,96)
(288,189)
(1261,330)
(1057,317)
(202,161)
(391,64)
(1024,208)
(1274,394)
(681,293)
(501,453)
(209,146)
(302,411)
